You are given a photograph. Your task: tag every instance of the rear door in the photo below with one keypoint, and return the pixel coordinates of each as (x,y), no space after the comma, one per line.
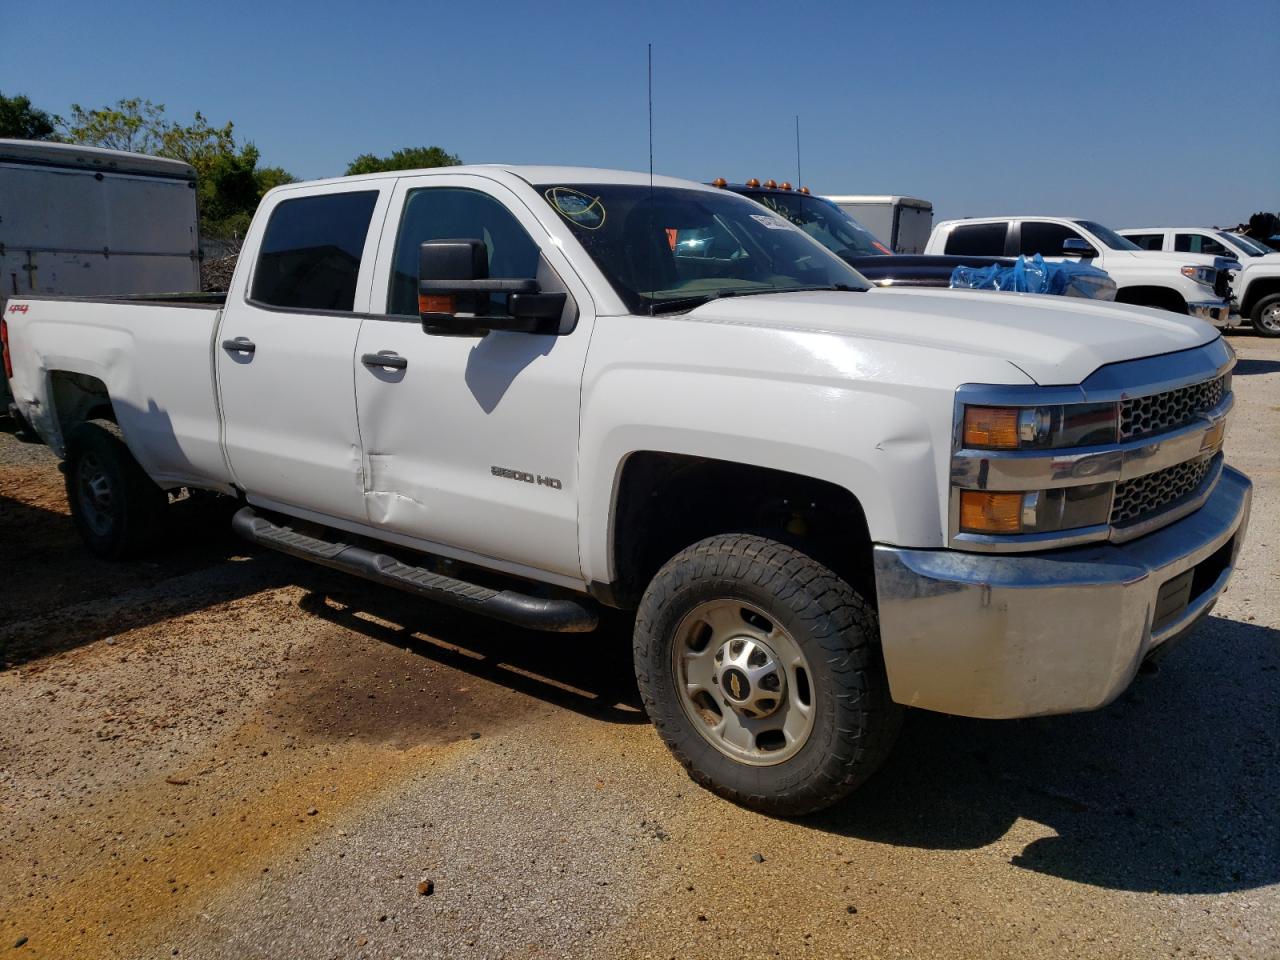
(285,352)
(471,444)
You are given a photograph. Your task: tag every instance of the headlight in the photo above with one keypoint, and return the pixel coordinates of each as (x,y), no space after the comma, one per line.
(1034,511)
(1206,275)
(1020,428)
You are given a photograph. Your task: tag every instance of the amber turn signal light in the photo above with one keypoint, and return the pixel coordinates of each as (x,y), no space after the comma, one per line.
(720,182)
(993,428)
(983,512)
(753,182)
(438,304)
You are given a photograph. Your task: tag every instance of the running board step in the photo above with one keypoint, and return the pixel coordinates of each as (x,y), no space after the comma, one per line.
(536,613)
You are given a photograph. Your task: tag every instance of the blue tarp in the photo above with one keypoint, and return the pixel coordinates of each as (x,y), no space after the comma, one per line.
(1036,276)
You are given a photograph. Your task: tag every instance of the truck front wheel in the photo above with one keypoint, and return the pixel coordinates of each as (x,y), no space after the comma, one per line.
(1266,316)
(115,506)
(761,670)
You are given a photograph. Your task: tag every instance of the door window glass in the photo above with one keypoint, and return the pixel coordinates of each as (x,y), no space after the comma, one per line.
(311,250)
(977,239)
(1147,241)
(1199,243)
(1044,238)
(453,213)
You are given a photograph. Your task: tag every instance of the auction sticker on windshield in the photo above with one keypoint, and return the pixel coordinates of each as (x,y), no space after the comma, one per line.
(773,223)
(577,207)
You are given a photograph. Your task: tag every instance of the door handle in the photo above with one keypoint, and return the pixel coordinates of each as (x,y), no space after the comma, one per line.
(239,345)
(385,358)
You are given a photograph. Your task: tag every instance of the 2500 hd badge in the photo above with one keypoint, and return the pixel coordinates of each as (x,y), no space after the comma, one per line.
(537,478)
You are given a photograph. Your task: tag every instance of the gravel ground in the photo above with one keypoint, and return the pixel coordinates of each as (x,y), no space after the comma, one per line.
(233,754)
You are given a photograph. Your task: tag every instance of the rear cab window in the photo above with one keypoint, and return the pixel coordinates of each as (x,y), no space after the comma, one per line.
(309,258)
(977,239)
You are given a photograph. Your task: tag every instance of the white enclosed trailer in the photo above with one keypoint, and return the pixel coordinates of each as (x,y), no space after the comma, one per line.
(80,221)
(903,222)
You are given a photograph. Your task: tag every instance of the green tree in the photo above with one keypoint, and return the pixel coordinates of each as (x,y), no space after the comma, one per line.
(20,120)
(229,182)
(408,158)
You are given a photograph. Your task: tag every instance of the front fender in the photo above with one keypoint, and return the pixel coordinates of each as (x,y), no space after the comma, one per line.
(874,419)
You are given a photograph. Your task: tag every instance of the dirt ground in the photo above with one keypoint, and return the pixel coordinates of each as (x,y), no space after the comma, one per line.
(232,754)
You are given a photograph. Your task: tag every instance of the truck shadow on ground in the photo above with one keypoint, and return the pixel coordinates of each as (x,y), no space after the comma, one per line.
(588,673)
(1246,367)
(61,597)
(1173,788)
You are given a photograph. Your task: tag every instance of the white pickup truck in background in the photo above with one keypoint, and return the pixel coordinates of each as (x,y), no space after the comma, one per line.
(1189,283)
(1255,287)
(507,389)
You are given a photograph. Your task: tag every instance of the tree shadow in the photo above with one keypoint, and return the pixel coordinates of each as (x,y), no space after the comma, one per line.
(1173,788)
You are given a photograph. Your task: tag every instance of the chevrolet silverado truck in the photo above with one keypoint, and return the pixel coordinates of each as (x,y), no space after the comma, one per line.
(1255,288)
(1188,283)
(505,389)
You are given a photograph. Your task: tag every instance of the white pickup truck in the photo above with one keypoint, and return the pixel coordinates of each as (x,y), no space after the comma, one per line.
(1255,287)
(1189,283)
(505,389)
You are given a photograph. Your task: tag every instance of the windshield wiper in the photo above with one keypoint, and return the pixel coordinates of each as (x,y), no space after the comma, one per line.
(688,303)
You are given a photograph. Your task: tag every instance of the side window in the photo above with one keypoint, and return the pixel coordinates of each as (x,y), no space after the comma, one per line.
(455,213)
(1199,243)
(1147,241)
(1044,238)
(977,239)
(311,250)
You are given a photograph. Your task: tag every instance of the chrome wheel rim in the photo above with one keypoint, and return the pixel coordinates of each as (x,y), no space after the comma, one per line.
(96,495)
(1270,318)
(743,682)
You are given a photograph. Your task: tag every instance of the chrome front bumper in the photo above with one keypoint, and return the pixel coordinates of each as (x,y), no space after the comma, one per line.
(1214,311)
(1021,635)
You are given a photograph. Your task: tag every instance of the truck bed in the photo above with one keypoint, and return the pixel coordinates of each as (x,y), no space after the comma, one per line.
(146,360)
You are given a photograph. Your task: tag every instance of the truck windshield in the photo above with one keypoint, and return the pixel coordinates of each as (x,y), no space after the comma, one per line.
(667,248)
(825,222)
(1108,236)
(1247,244)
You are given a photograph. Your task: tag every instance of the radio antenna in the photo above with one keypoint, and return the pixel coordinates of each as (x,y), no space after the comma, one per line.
(799,181)
(650,244)
(651,121)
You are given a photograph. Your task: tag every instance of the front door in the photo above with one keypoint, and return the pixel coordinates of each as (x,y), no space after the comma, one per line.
(285,356)
(471,444)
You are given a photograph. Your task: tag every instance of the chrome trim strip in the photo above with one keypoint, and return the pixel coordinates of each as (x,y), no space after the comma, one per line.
(1042,469)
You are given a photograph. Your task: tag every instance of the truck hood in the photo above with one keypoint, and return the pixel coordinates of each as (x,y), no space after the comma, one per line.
(1054,340)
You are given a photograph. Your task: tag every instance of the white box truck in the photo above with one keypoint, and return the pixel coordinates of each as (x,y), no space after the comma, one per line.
(905,222)
(84,221)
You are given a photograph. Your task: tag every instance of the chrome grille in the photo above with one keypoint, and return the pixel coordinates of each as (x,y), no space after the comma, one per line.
(1140,416)
(1140,496)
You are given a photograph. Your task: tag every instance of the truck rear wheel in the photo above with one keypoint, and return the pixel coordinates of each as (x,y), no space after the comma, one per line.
(1266,316)
(115,506)
(761,670)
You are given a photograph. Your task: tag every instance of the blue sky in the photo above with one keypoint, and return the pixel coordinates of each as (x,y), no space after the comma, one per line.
(1132,112)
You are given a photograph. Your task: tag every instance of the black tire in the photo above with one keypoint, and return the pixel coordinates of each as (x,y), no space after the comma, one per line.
(115,506)
(855,723)
(1265,316)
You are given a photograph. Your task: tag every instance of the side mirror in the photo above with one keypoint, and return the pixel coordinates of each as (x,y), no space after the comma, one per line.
(1075,247)
(454,289)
